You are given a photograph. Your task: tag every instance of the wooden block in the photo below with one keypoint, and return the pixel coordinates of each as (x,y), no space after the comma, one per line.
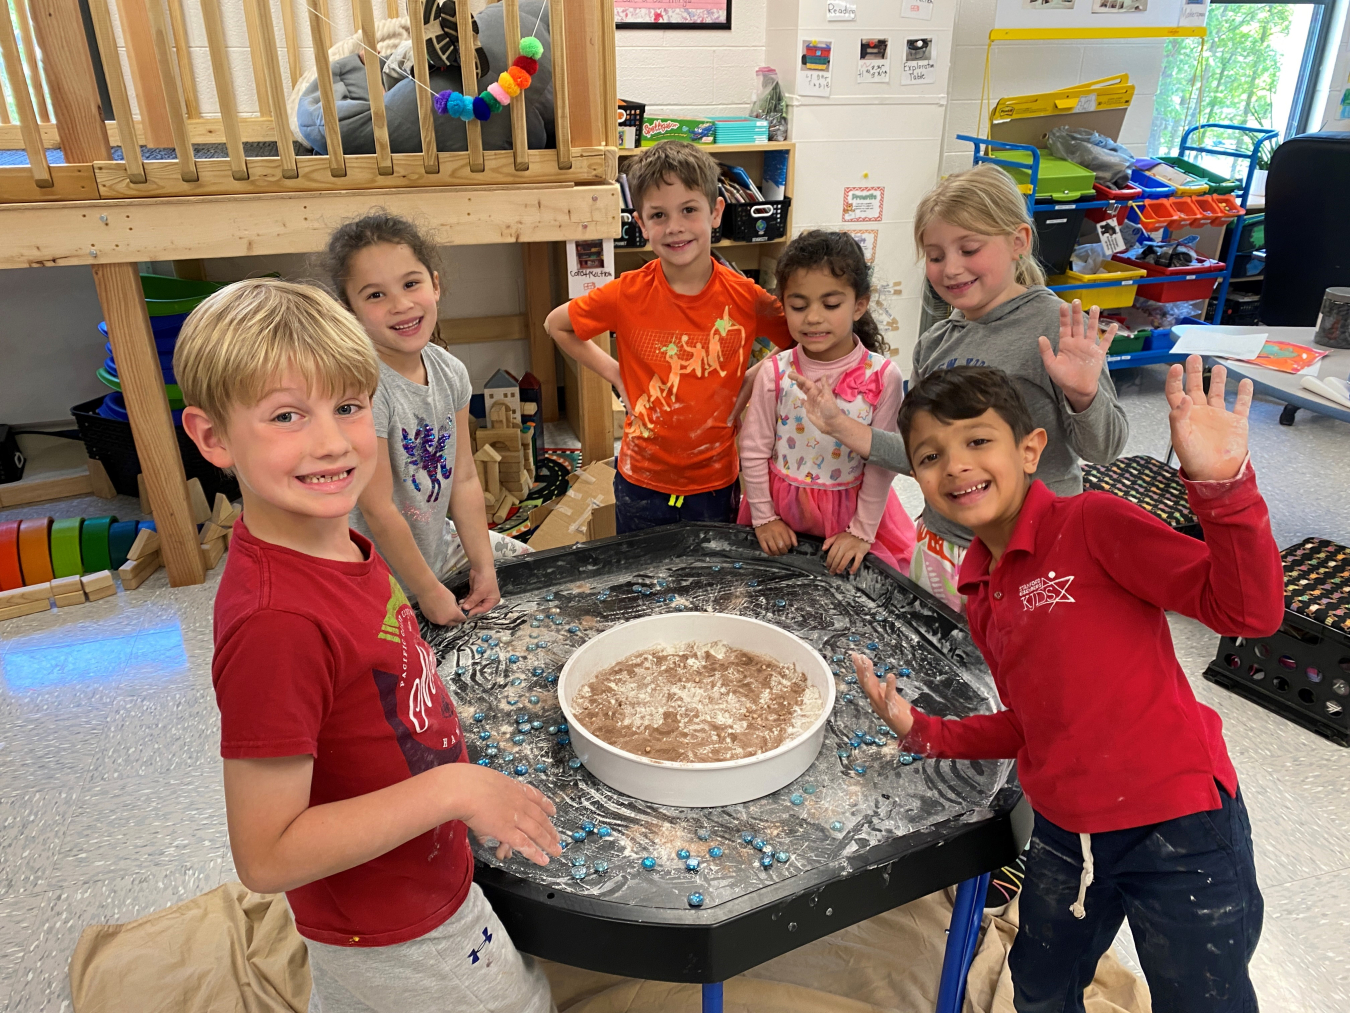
(201,510)
(92,582)
(25,595)
(98,478)
(146,542)
(65,600)
(145,496)
(26,609)
(134,572)
(487,453)
(66,585)
(504,508)
(211,531)
(528,408)
(212,551)
(102,592)
(221,510)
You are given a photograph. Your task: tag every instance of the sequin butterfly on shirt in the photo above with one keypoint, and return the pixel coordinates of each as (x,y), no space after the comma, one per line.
(425,451)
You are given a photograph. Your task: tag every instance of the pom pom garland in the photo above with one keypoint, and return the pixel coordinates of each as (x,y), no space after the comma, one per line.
(510,83)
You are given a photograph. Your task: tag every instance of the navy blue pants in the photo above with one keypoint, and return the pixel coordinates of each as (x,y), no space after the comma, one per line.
(1188,887)
(637,507)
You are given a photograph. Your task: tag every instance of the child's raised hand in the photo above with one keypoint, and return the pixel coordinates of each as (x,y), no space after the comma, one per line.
(776,538)
(845,551)
(1077,366)
(886,700)
(510,812)
(821,407)
(1210,441)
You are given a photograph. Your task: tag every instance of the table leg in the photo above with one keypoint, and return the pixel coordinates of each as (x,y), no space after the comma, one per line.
(961,939)
(712,998)
(1287,416)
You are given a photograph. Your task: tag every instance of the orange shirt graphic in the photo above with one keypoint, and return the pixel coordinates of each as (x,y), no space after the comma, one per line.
(682,359)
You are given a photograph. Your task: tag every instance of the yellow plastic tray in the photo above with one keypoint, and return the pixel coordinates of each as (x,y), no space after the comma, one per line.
(1117,297)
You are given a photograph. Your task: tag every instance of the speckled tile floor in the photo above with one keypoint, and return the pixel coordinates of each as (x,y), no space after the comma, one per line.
(111,804)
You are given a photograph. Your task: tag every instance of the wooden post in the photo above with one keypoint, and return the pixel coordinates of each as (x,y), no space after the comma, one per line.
(150,103)
(606,65)
(292,43)
(84,139)
(182,141)
(181,49)
(4,104)
(538,266)
(34,64)
(384,159)
(318,40)
(220,72)
(281,124)
(117,90)
(468,64)
(597,412)
(257,56)
(520,138)
(23,101)
(431,159)
(562,123)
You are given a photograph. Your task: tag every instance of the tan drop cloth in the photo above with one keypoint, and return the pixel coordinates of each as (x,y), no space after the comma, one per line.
(232,951)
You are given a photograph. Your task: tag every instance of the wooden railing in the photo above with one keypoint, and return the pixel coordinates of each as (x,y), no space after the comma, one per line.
(168,111)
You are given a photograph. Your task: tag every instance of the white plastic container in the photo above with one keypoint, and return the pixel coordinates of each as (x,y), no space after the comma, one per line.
(696,784)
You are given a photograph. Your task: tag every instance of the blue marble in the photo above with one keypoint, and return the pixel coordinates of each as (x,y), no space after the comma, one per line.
(578,861)
(796,800)
(714,852)
(563,740)
(836,826)
(906,759)
(649,863)
(518,739)
(691,864)
(758,844)
(603,831)
(601,866)
(810,789)
(682,853)
(588,826)
(872,645)
(767,861)
(780,603)
(480,716)
(485,735)
(534,698)
(578,835)
(541,768)
(483,761)
(746,837)
(574,763)
(696,900)
(521,770)
(859,769)
(703,835)
(782,857)
(579,873)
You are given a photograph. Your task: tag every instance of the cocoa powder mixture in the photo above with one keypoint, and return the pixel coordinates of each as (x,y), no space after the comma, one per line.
(697,703)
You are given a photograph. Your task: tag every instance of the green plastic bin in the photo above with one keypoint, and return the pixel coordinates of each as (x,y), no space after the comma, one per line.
(1126,342)
(1218,183)
(1058,180)
(166,296)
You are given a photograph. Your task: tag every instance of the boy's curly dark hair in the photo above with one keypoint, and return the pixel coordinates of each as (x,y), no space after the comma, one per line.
(840,254)
(966,392)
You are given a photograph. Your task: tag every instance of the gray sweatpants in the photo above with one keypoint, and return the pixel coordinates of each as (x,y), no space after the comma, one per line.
(468,965)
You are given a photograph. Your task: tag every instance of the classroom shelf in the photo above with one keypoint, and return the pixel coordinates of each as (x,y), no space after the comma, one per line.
(718,148)
(724,244)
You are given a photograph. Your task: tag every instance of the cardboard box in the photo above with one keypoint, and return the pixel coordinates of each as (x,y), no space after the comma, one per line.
(585,512)
(656,129)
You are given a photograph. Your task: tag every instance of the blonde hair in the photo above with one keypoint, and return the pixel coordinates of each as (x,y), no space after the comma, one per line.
(672,162)
(983,199)
(243,337)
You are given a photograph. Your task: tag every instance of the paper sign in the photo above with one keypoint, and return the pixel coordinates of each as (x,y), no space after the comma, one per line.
(590,264)
(1197,339)
(1109,234)
(813,77)
(863,203)
(838,10)
(1086,103)
(1047,5)
(867,239)
(917,10)
(919,67)
(1119,6)
(874,61)
(1193,13)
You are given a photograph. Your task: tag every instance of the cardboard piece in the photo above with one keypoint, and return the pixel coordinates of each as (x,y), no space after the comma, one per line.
(133,572)
(583,513)
(201,510)
(147,541)
(25,609)
(25,595)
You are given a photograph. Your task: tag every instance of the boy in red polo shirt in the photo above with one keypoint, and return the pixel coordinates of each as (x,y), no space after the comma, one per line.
(347,784)
(1138,812)
(684,328)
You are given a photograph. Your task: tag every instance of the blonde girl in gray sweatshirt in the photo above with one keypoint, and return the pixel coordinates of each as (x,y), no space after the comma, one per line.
(977,241)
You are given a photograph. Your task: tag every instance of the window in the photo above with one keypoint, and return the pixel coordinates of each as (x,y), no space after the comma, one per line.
(1258,69)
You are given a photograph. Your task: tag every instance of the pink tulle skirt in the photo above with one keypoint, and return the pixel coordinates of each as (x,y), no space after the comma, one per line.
(809,510)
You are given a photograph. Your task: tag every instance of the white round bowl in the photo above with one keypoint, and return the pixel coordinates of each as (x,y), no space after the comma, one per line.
(695,784)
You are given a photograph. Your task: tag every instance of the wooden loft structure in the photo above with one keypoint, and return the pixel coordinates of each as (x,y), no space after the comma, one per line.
(112,213)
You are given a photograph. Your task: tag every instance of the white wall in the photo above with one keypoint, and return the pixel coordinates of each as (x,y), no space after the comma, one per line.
(695,72)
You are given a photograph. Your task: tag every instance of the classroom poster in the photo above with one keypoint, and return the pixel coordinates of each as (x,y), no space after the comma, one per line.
(863,203)
(920,66)
(590,264)
(874,61)
(813,76)
(1193,13)
(1119,6)
(917,10)
(867,239)
(672,13)
(1047,5)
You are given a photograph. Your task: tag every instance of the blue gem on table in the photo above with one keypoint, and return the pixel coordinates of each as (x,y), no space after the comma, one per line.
(519,740)
(601,867)
(460,670)
(549,596)
(492,750)
(752,583)
(905,671)
(484,762)
(746,837)
(550,679)
(523,716)
(796,800)
(848,698)
(513,701)
(871,645)
(680,607)
(494,642)
(810,789)
(579,872)
(578,861)
(508,757)
(536,725)
(714,852)
(691,864)
(553,729)
(564,740)
(486,638)
(767,861)
(512,659)
(836,826)
(735,566)
(537,670)
(696,900)
(869,740)
(521,770)
(480,650)
(485,735)
(782,857)
(603,831)
(649,863)
(853,638)
(837,658)
(479,716)
(574,629)
(906,759)
(574,763)
(541,768)
(758,844)
(588,826)
(493,656)
(703,835)
(859,769)
(534,698)
(530,647)
(578,835)
(716,567)
(851,680)
(780,603)
(682,853)
(841,753)
(562,726)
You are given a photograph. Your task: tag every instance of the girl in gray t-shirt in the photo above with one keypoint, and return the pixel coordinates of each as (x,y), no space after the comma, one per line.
(382,270)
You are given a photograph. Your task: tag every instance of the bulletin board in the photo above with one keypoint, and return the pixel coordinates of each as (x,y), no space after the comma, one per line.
(1098,18)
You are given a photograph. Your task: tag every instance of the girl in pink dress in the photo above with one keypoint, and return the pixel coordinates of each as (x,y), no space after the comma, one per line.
(797,480)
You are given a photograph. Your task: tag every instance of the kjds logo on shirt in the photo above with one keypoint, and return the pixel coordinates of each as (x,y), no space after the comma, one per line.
(1049,591)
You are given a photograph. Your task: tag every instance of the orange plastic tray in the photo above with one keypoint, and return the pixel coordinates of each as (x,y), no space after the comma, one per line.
(1157,214)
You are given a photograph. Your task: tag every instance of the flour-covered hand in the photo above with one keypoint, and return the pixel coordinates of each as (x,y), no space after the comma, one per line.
(1210,441)
(440,607)
(1076,367)
(510,812)
(886,700)
(845,551)
(484,594)
(821,407)
(776,538)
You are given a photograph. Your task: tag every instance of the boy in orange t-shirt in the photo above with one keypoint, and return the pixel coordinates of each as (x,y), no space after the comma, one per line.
(684,326)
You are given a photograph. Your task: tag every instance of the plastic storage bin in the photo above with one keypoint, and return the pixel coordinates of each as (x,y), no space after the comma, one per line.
(631,115)
(1123,197)
(1156,214)
(109,442)
(1186,184)
(1126,342)
(1117,297)
(631,238)
(1186,287)
(756,223)
(1056,235)
(167,296)
(1218,184)
(1152,187)
(1058,179)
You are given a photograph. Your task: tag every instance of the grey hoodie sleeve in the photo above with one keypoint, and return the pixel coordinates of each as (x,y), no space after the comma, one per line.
(888,451)
(1099,433)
